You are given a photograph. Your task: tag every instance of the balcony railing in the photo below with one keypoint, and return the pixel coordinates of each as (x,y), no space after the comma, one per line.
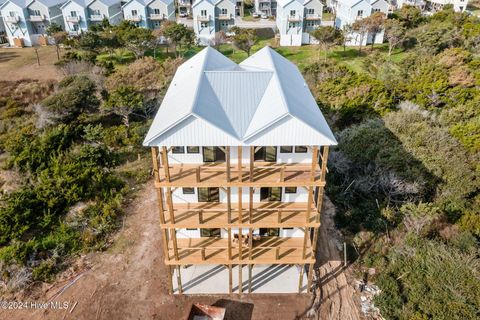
(157,16)
(96,17)
(10,19)
(294,18)
(312,16)
(184,3)
(73,19)
(37,18)
(225,16)
(136,18)
(203,18)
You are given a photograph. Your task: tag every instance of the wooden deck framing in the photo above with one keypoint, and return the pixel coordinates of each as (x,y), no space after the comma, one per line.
(248,251)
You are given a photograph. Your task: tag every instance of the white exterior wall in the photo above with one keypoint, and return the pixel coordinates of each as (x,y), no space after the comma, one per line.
(81,13)
(167,10)
(225,25)
(205,34)
(290,31)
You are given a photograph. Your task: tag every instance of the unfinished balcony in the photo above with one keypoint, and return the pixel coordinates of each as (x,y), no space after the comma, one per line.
(96,17)
(203,18)
(263,250)
(225,17)
(273,214)
(313,16)
(134,18)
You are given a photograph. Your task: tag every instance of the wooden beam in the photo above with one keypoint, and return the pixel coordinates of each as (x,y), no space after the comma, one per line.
(169,279)
(319,202)
(300,280)
(250,204)
(314,242)
(179,281)
(161,211)
(229,205)
(324,163)
(250,267)
(314,163)
(229,248)
(240,202)
(240,173)
(230,279)
(165,163)
(240,284)
(309,204)
(255,184)
(156,173)
(252,162)
(170,205)
(305,238)
(227,163)
(250,243)
(310,277)
(175,244)
(166,251)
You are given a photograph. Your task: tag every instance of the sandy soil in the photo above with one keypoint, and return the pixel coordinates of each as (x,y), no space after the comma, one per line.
(21,63)
(129,282)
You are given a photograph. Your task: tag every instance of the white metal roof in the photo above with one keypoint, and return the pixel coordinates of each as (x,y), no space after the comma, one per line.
(264,100)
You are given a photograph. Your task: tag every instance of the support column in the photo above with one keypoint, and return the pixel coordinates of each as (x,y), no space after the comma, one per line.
(169,279)
(240,284)
(227,163)
(250,267)
(179,281)
(165,163)
(324,163)
(310,277)
(300,280)
(229,205)
(230,279)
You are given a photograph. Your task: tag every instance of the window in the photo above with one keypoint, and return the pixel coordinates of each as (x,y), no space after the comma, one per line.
(376,10)
(283,229)
(210,232)
(178,150)
(311,11)
(188,190)
(35,12)
(11,14)
(134,13)
(270,194)
(360,13)
(224,11)
(292,13)
(96,12)
(292,25)
(290,189)
(268,154)
(286,149)
(203,13)
(270,232)
(208,195)
(195,229)
(301,149)
(156,11)
(73,13)
(75,27)
(203,24)
(193,149)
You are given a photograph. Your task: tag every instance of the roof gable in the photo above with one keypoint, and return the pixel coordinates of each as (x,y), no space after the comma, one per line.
(242,101)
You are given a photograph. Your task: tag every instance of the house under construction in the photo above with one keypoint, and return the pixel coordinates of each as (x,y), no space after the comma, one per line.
(239,157)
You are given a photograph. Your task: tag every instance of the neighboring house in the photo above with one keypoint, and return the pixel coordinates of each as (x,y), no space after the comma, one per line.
(149,13)
(434,5)
(75,16)
(185,7)
(212,16)
(27,21)
(98,10)
(266,7)
(349,11)
(296,18)
(241,179)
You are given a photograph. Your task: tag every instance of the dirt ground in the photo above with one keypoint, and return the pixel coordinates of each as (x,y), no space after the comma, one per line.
(129,282)
(21,63)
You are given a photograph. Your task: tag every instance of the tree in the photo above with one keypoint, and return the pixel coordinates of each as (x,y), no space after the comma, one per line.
(395,33)
(361,27)
(75,97)
(244,39)
(346,35)
(178,34)
(59,38)
(138,40)
(375,24)
(53,28)
(327,37)
(123,101)
(220,38)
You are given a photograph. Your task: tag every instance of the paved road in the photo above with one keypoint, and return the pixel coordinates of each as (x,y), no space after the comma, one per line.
(262,23)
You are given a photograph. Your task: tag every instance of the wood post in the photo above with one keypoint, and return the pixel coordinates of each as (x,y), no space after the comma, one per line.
(250,267)
(310,277)
(305,238)
(165,163)
(240,173)
(300,281)
(227,163)
(170,205)
(175,245)
(324,163)
(197,174)
(179,280)
(229,245)
(314,163)
(252,162)
(240,284)
(156,173)
(250,204)
(169,279)
(230,279)
(309,204)
(229,205)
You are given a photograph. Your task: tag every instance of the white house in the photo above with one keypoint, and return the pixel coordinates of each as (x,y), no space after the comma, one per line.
(28,20)
(349,11)
(266,7)
(434,5)
(212,16)
(98,10)
(75,16)
(149,13)
(240,156)
(296,18)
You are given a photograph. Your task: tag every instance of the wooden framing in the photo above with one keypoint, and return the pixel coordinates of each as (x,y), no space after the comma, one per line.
(267,250)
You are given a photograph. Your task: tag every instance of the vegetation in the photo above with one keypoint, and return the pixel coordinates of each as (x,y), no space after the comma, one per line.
(405,174)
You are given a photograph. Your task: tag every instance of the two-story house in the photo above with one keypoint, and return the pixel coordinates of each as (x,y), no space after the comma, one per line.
(296,18)
(212,16)
(149,13)
(239,159)
(98,10)
(75,16)
(26,22)
(349,11)
(266,7)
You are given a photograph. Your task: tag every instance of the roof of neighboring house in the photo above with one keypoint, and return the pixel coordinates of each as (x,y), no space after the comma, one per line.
(213,101)
(212,2)
(352,3)
(26,3)
(147,2)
